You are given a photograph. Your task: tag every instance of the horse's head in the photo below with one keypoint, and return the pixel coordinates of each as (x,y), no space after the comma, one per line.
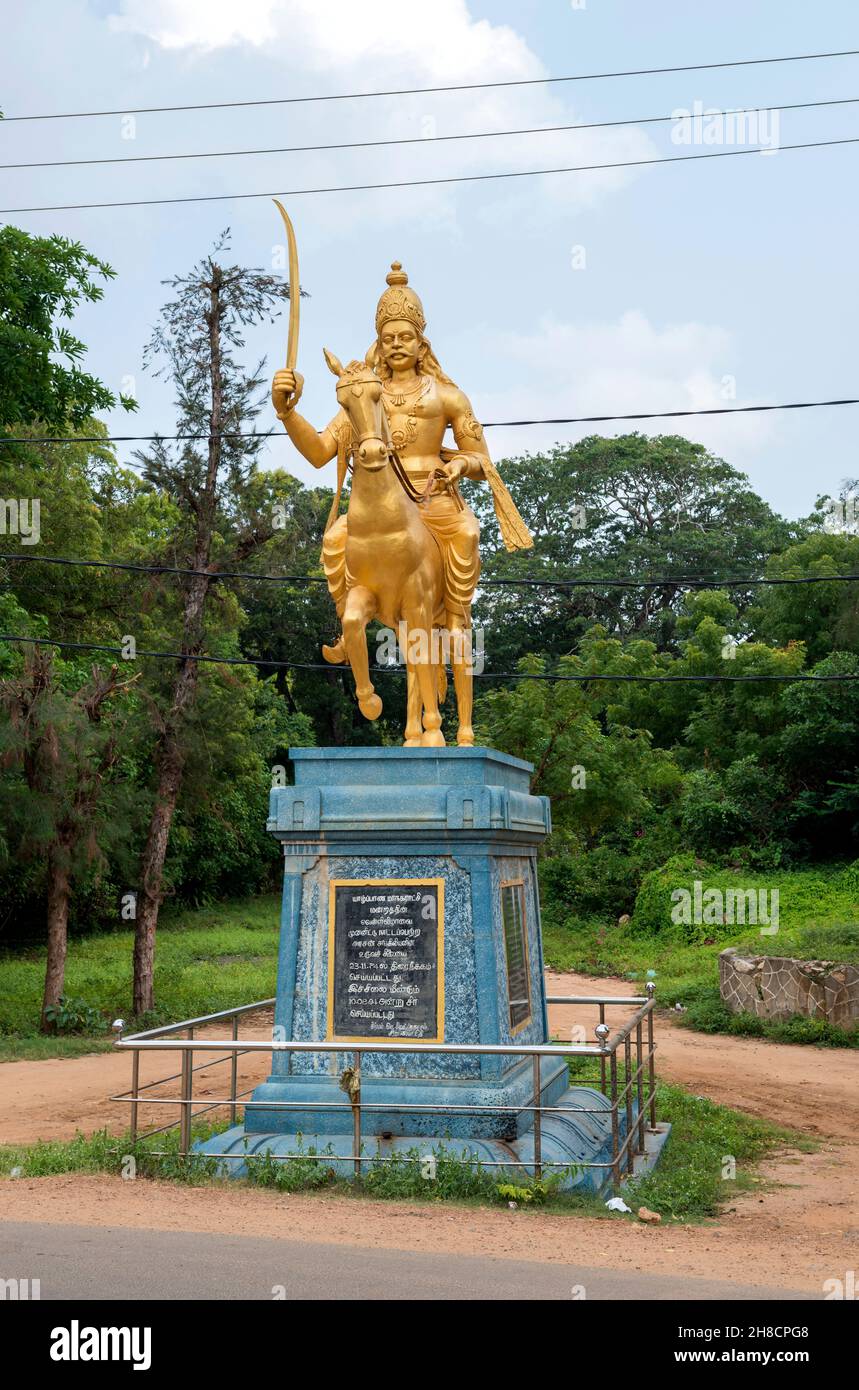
(359,392)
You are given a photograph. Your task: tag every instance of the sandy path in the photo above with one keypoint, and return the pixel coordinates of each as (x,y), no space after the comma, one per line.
(55,1098)
(795,1236)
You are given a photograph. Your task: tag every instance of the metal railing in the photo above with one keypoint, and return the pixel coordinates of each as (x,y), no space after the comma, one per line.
(626,1065)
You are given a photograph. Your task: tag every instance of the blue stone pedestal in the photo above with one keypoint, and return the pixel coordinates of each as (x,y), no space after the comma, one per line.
(454,831)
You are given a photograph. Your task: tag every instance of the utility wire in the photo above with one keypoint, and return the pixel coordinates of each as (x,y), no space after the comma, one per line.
(392,670)
(424,91)
(427,183)
(432,140)
(585,581)
(486,424)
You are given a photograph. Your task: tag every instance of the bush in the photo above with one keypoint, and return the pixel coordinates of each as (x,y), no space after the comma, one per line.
(581,882)
(74,1016)
(740,806)
(585,883)
(652,912)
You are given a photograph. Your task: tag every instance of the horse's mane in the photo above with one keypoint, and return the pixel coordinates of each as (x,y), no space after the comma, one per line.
(428,363)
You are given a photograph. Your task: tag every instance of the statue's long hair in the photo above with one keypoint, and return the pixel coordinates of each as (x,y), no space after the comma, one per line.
(427,364)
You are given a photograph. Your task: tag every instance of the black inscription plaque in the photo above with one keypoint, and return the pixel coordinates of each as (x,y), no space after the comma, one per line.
(386,959)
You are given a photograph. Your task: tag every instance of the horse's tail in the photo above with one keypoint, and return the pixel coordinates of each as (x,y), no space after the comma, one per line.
(442,682)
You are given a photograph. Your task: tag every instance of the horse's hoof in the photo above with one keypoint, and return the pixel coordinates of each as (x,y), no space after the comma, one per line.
(432,738)
(465,738)
(370,706)
(336,654)
(411,743)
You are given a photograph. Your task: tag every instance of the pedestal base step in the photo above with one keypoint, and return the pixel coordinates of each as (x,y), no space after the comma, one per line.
(567,1142)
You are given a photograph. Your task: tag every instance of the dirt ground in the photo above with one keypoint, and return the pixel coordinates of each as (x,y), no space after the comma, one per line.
(796,1234)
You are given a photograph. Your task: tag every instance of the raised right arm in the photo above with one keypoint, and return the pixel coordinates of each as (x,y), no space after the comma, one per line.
(318,447)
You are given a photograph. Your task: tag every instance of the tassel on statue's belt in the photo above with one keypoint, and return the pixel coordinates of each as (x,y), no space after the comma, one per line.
(514,532)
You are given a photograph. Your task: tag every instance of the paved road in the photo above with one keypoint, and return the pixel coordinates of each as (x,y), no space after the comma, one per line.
(85,1262)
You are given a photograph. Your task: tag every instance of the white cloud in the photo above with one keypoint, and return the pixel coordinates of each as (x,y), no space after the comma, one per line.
(308,47)
(205,24)
(619,368)
(442,42)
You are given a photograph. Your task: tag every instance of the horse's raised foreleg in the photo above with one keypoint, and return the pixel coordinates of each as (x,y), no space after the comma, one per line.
(360,609)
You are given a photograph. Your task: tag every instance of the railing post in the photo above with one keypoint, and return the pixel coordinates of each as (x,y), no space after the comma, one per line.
(538,1127)
(135,1091)
(639,1085)
(234,1071)
(187,1084)
(627,1063)
(602,1059)
(651,1062)
(615,1135)
(355,1097)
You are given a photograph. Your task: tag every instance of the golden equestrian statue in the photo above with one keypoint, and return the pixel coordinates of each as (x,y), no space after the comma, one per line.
(406,552)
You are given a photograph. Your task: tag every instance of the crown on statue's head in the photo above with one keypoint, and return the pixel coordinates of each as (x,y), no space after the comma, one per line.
(399,301)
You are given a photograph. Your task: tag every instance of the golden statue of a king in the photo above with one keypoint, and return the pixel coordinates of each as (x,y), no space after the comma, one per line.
(406,552)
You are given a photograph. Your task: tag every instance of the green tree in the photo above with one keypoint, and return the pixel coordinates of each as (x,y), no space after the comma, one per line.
(823,616)
(43,280)
(91,509)
(736,810)
(618,509)
(62,752)
(613,795)
(226,512)
(819,751)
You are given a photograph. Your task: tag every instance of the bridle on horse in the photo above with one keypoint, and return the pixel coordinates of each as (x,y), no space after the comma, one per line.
(420,498)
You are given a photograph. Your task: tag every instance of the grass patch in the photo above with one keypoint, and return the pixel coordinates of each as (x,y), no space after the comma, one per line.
(206,959)
(39,1047)
(403,1178)
(688,1183)
(707,1014)
(818,912)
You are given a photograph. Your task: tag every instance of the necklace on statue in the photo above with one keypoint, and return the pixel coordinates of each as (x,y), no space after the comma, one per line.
(406,433)
(398,396)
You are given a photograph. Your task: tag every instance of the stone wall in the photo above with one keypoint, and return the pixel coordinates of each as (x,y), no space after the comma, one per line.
(779,987)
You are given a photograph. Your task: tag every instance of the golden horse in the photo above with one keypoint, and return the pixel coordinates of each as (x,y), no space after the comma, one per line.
(393,562)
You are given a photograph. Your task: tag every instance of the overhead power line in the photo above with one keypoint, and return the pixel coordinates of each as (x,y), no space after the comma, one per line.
(580,581)
(425,91)
(486,424)
(393,670)
(427,183)
(432,140)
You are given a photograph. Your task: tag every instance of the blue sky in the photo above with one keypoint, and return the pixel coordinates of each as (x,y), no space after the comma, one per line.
(579,294)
